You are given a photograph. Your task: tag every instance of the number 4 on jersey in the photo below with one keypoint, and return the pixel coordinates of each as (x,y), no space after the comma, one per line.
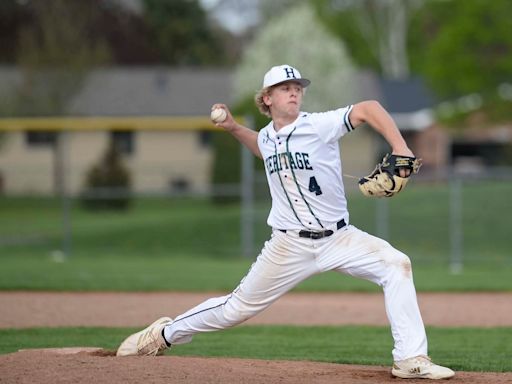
(313,186)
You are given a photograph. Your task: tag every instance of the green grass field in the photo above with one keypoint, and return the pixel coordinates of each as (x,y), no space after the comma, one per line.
(198,243)
(193,245)
(118,273)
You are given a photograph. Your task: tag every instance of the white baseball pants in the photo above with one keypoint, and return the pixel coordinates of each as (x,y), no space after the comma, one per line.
(287,259)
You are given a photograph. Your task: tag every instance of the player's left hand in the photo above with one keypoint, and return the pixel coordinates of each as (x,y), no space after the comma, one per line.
(390,176)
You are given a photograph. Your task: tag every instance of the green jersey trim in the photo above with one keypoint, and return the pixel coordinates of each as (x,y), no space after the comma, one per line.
(297,183)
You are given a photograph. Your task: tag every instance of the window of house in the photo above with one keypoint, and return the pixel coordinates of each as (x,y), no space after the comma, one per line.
(124,141)
(40,138)
(205,138)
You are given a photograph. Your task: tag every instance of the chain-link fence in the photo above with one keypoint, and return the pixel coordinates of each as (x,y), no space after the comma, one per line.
(455,220)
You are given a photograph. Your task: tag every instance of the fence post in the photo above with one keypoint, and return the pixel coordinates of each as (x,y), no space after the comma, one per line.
(62,162)
(247,192)
(456,233)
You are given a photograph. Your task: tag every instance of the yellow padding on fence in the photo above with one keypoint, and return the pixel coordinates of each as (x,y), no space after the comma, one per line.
(122,123)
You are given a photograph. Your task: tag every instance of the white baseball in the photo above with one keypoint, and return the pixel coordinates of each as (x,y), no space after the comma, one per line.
(218,115)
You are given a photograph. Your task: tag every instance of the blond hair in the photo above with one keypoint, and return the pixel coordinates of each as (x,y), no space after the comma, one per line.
(260,103)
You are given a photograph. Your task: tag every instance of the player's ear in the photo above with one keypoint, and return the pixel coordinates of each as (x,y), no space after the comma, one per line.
(267,99)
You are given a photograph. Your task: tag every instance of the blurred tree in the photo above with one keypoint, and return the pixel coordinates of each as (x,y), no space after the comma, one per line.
(311,48)
(271,9)
(444,39)
(463,46)
(236,16)
(375,31)
(132,37)
(126,34)
(54,53)
(182,32)
(12,15)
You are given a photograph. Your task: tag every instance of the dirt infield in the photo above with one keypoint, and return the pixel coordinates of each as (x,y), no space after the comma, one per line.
(58,309)
(84,367)
(23,309)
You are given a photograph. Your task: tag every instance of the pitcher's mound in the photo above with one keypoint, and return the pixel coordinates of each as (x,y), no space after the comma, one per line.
(93,351)
(82,365)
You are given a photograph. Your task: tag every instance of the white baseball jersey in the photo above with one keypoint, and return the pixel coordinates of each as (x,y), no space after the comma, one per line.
(303,167)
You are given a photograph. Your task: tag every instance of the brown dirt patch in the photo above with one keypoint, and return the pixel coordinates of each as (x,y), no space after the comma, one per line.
(84,367)
(36,309)
(58,309)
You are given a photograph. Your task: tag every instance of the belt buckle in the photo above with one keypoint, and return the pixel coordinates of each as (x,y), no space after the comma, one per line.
(316,235)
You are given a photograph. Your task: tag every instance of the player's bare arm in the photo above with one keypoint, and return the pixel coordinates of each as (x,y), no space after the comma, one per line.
(372,113)
(244,135)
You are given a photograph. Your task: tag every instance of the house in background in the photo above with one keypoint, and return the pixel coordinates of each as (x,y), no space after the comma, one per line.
(162,161)
(158,160)
(476,149)
(411,106)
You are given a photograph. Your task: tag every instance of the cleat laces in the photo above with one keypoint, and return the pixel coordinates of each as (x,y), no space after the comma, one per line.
(149,344)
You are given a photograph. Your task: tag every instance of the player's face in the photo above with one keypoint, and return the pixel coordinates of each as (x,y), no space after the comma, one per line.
(285,99)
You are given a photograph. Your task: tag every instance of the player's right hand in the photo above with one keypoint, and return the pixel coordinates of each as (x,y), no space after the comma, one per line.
(229,123)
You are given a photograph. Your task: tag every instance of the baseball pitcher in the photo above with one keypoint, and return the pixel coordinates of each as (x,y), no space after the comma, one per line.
(311,230)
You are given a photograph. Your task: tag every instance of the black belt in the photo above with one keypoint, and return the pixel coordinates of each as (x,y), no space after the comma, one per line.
(319,234)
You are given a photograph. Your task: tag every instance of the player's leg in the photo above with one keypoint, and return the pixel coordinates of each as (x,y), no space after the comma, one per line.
(359,254)
(362,255)
(282,264)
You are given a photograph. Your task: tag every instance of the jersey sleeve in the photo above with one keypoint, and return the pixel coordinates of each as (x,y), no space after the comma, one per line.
(332,125)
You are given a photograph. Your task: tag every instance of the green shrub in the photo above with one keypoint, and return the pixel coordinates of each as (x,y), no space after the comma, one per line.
(108,183)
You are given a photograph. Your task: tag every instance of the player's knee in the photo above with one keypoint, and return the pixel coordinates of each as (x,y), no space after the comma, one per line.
(398,263)
(402,264)
(406,265)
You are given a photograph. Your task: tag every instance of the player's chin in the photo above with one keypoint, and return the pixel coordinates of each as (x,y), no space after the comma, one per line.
(293,108)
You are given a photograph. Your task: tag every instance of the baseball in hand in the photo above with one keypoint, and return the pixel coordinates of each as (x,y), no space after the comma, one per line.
(218,115)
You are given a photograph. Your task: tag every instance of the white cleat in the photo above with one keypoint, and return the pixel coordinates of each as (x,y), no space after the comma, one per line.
(420,367)
(148,342)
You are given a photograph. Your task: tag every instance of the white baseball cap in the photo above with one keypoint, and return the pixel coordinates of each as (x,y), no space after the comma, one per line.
(282,73)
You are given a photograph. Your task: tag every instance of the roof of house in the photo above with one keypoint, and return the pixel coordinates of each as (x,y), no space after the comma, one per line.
(152,91)
(137,91)
(402,96)
(409,101)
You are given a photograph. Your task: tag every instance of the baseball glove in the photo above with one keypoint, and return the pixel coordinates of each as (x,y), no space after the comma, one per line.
(385,180)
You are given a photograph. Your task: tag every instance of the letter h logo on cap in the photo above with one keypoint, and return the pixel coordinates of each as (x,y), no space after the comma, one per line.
(290,74)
